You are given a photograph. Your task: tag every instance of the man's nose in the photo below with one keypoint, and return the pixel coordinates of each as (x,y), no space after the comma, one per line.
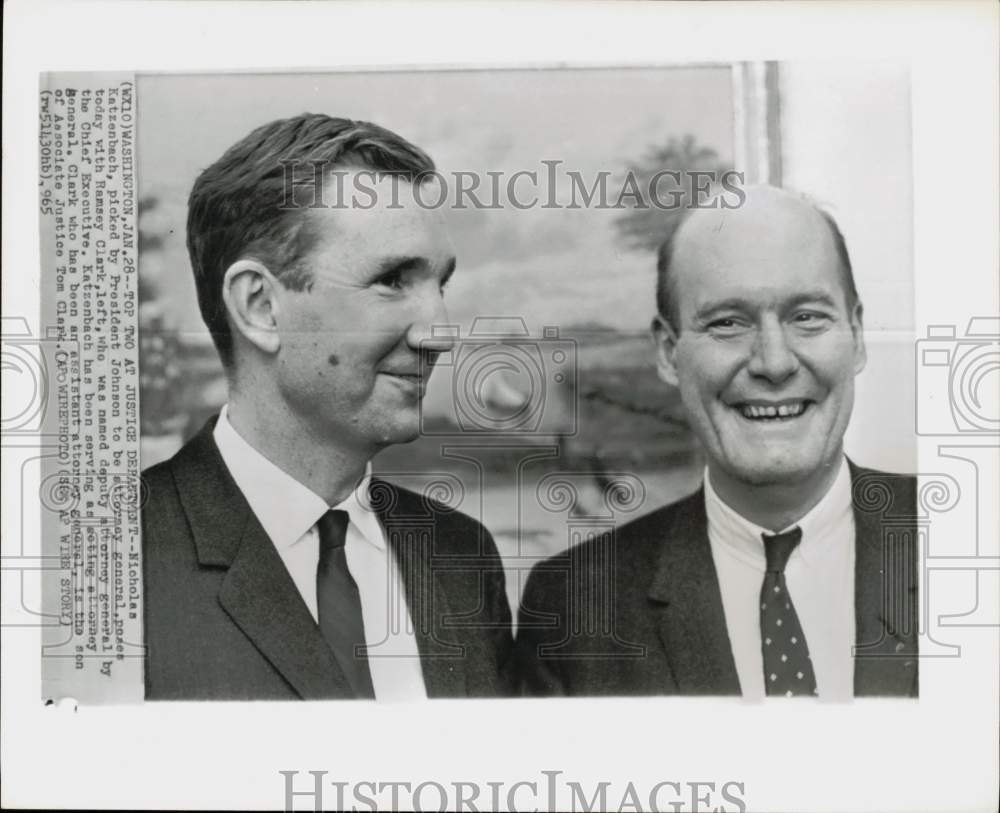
(430,331)
(771,356)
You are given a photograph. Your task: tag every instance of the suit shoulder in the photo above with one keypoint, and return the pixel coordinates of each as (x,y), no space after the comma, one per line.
(630,550)
(191,450)
(396,501)
(883,492)
(399,505)
(158,481)
(164,518)
(670,520)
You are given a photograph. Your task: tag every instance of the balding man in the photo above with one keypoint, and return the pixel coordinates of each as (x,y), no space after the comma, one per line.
(792,571)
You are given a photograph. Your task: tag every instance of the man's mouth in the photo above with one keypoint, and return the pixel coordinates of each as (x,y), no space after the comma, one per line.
(413,381)
(778,411)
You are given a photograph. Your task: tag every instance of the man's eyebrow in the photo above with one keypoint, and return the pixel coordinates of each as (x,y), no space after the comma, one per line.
(739,304)
(733,303)
(819,297)
(404,263)
(400,264)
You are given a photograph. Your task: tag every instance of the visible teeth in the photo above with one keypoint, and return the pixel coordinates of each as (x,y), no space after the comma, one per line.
(783,411)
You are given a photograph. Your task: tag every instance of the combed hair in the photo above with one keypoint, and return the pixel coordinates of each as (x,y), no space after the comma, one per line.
(242,207)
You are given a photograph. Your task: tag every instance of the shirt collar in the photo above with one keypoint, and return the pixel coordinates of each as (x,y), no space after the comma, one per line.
(285,508)
(818,526)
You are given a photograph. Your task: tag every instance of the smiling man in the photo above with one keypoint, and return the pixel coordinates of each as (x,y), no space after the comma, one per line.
(275,565)
(792,571)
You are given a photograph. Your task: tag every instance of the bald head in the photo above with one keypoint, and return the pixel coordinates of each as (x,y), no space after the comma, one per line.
(772,226)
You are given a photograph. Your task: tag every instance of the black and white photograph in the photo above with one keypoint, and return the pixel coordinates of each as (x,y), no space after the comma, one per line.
(592,427)
(572,422)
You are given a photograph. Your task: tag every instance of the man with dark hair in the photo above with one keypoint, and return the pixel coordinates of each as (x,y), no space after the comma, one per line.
(792,571)
(276,566)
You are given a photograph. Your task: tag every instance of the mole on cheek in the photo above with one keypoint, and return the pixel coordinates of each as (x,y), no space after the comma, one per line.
(333,360)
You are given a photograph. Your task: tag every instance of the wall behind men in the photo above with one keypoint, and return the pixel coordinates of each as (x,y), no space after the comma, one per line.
(846,141)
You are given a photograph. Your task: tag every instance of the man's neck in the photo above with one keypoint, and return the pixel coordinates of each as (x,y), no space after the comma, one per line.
(325,468)
(775,506)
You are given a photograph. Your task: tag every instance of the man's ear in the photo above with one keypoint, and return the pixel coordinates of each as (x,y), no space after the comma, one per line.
(858,332)
(250,293)
(665,341)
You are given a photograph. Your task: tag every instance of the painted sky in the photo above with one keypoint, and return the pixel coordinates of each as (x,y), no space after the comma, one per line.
(548,266)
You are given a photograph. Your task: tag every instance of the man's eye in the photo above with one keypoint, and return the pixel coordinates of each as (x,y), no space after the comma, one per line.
(394,279)
(811,319)
(725,324)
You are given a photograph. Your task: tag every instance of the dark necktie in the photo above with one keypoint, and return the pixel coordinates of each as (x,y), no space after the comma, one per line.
(339,603)
(788,670)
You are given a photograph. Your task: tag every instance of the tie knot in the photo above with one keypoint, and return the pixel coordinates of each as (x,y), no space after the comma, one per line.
(778,547)
(332,528)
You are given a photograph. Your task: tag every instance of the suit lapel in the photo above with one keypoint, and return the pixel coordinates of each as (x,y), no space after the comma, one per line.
(687,605)
(260,596)
(410,527)
(885,584)
(691,621)
(257,592)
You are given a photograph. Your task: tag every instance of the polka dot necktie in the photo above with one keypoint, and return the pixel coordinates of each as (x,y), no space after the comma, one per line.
(788,670)
(339,603)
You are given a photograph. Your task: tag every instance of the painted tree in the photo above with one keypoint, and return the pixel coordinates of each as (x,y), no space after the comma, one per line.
(667,171)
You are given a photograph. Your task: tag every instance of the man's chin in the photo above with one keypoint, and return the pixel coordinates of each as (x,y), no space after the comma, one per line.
(403,431)
(774,472)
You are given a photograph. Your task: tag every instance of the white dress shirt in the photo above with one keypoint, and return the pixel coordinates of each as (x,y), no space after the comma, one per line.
(820,579)
(288,512)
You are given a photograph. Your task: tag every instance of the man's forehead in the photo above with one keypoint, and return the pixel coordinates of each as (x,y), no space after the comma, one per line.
(370,239)
(772,229)
(769,218)
(380,208)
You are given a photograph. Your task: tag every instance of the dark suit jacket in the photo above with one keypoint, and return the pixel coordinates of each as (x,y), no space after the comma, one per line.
(639,611)
(224,620)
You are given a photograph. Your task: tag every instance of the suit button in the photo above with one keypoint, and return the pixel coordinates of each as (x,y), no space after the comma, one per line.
(908,664)
(900,646)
